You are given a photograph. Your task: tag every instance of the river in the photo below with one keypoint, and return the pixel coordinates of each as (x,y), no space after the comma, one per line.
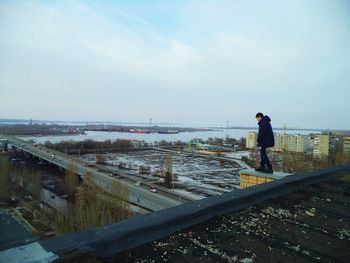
(153,137)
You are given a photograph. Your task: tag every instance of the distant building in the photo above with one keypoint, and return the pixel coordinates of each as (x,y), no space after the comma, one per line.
(324,145)
(195,145)
(292,142)
(346,146)
(302,143)
(284,142)
(251,140)
(311,142)
(279,141)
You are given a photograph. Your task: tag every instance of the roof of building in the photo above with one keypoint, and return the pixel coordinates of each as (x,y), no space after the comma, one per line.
(12,231)
(299,218)
(307,225)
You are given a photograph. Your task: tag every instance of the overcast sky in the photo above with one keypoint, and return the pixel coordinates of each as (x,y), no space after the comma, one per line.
(192,62)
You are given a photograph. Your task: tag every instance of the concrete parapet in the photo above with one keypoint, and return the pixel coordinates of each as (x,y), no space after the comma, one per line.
(250,177)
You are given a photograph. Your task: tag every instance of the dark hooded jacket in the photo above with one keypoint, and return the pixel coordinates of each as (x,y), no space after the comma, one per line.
(265,136)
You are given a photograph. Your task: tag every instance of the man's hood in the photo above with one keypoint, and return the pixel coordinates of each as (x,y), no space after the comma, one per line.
(266,118)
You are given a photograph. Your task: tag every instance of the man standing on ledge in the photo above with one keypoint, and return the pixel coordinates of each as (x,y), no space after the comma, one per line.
(265,140)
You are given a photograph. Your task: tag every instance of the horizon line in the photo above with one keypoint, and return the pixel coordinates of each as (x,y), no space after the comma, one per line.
(60,122)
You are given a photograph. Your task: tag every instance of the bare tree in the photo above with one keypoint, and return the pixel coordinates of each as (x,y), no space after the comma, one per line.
(71,180)
(5,182)
(93,207)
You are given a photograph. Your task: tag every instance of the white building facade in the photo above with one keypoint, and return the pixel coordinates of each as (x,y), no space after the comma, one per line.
(251,140)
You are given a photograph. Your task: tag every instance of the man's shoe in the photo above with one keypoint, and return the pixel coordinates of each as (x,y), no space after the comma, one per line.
(268,170)
(260,169)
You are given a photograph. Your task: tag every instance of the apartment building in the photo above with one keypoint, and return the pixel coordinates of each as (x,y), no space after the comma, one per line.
(324,145)
(251,140)
(346,146)
(292,142)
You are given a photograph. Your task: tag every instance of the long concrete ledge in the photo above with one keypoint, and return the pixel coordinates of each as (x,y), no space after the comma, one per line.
(274,175)
(112,239)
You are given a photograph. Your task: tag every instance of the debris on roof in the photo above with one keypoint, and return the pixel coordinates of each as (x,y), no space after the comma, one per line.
(308,225)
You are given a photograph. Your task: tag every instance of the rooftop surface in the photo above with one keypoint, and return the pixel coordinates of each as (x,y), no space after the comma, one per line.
(307,225)
(299,218)
(12,231)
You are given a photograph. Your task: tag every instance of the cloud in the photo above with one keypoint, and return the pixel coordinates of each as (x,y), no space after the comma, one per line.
(164,60)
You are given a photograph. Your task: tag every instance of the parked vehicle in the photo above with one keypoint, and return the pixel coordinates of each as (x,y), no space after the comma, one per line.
(153,190)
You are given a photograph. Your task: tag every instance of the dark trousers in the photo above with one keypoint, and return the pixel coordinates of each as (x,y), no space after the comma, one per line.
(264,159)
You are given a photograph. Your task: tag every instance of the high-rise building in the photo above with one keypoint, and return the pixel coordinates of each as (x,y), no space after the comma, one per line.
(346,146)
(324,145)
(279,141)
(302,143)
(310,142)
(251,140)
(284,142)
(291,142)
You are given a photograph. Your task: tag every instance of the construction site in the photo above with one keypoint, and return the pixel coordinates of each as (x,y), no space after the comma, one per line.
(194,175)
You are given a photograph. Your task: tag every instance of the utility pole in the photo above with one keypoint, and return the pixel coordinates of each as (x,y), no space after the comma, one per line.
(168,171)
(149,131)
(223,141)
(150,124)
(284,138)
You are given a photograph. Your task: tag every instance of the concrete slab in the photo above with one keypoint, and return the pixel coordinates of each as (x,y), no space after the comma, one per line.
(274,175)
(30,253)
(12,233)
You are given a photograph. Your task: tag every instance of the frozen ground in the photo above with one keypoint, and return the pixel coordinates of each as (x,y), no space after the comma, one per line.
(238,154)
(196,176)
